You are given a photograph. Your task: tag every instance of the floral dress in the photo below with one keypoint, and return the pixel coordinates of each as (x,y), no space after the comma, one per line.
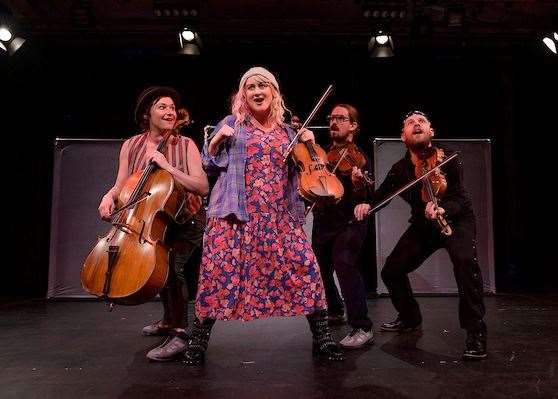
(264,267)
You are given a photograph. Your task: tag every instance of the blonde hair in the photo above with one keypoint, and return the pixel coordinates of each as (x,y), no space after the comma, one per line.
(241,111)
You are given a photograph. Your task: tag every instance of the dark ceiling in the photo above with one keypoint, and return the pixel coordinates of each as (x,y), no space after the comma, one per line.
(248,22)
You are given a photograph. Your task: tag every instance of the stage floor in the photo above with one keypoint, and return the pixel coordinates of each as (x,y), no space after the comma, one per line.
(79,350)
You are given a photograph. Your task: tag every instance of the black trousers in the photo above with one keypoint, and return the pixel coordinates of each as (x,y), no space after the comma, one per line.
(339,251)
(183,240)
(414,247)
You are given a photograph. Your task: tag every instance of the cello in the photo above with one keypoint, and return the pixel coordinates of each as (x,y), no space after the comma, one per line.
(129,265)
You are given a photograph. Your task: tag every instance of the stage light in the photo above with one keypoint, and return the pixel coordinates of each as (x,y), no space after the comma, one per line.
(382,39)
(8,41)
(5,34)
(188,35)
(556,36)
(380,45)
(385,12)
(190,42)
(550,44)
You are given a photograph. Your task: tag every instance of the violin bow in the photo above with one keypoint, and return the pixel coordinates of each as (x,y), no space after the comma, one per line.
(411,184)
(326,94)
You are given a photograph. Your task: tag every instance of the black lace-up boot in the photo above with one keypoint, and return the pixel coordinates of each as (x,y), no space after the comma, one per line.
(197,345)
(323,345)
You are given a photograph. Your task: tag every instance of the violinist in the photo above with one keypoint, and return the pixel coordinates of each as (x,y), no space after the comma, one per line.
(337,243)
(427,233)
(256,260)
(156,115)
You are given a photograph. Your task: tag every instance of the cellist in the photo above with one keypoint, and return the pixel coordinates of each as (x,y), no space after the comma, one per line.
(424,236)
(155,113)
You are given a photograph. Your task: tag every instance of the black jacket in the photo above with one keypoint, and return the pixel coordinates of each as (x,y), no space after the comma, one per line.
(456,201)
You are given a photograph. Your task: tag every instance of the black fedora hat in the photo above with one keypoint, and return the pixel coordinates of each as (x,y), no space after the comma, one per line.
(146,98)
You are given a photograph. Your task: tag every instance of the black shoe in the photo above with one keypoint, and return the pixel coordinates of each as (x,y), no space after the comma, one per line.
(475,346)
(197,345)
(323,345)
(399,325)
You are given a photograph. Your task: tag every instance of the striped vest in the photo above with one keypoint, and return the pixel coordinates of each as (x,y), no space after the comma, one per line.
(175,153)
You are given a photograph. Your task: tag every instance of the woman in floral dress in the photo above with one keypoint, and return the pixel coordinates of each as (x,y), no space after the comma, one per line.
(256,260)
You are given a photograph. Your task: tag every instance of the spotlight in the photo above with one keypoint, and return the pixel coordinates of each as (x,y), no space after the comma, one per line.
(188,35)
(190,42)
(380,45)
(382,39)
(556,36)
(9,42)
(550,43)
(5,34)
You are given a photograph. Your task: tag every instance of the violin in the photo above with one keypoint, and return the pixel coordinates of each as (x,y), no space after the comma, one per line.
(346,157)
(422,177)
(435,185)
(317,184)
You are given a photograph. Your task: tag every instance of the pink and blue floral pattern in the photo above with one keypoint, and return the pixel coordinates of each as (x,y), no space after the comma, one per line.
(264,267)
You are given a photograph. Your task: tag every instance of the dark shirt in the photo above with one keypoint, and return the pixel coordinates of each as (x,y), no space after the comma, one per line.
(332,218)
(456,201)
